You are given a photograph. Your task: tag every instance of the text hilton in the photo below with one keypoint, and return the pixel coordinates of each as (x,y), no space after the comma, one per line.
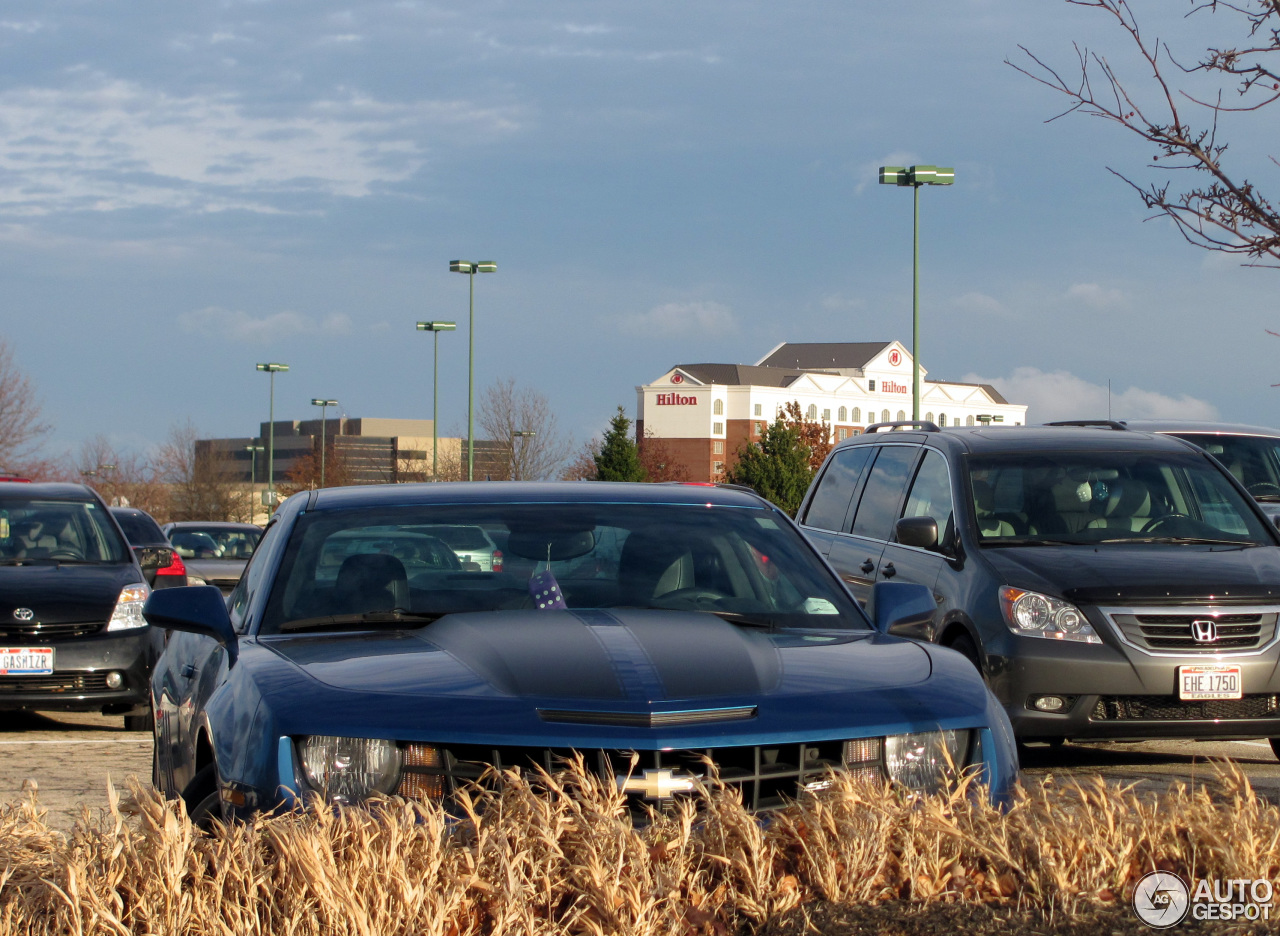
(889,386)
(675,399)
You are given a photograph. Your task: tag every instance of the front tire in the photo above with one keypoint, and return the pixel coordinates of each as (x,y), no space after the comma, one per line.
(203,801)
(965,646)
(1275,747)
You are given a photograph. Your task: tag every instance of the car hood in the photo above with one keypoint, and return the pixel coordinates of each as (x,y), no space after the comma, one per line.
(503,672)
(1143,571)
(64,594)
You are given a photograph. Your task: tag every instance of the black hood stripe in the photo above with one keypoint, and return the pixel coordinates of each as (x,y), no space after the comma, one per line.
(636,673)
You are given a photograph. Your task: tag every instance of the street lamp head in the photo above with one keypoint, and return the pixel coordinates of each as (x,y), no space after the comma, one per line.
(272,368)
(893,175)
(466,266)
(523,433)
(437,326)
(932,175)
(319,402)
(486,266)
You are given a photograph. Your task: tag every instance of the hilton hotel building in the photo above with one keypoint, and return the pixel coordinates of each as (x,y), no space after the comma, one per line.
(705,412)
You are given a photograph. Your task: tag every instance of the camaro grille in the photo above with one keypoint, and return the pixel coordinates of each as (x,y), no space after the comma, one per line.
(13,630)
(1170,708)
(765,775)
(1190,630)
(54,684)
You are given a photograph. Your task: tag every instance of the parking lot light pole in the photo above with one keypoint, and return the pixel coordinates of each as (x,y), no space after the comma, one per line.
(323,404)
(518,434)
(253,451)
(436,328)
(471,269)
(915,177)
(272,369)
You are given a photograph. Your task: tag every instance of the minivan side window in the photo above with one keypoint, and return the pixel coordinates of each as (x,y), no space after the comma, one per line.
(878,508)
(931,492)
(830,501)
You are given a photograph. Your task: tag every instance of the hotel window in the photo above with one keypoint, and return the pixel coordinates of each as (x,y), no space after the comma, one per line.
(717,428)
(884,416)
(843,413)
(928,417)
(871,385)
(942,419)
(759,428)
(717,407)
(842,434)
(901,415)
(717,447)
(717,467)
(826,415)
(811,412)
(757,410)
(857,414)
(968,420)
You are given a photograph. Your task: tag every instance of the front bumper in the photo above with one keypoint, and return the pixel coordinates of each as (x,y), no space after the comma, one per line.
(1116,692)
(79,679)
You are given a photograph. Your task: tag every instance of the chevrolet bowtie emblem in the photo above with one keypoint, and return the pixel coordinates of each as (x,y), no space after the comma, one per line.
(657,784)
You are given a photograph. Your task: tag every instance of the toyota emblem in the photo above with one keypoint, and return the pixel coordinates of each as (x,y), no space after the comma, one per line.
(1204,631)
(23,614)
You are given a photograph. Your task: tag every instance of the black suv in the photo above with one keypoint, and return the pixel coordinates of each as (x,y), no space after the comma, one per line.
(72,634)
(1108,584)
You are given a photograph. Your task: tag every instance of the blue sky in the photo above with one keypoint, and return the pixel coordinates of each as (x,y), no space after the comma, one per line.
(187,189)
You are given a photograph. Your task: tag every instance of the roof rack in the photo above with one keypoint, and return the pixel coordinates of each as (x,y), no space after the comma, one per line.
(1091,424)
(922,424)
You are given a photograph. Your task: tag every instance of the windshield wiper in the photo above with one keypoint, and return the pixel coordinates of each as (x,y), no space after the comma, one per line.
(1182,540)
(371,619)
(1028,541)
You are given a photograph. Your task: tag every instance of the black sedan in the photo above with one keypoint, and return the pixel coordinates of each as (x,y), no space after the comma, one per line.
(160,563)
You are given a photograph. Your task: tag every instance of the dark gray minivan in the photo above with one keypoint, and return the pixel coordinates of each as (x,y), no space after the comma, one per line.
(1107,583)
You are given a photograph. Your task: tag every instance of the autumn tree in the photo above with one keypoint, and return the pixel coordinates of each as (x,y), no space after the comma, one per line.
(1216,205)
(122,478)
(523,422)
(582,463)
(814,434)
(619,458)
(659,462)
(198,483)
(21,425)
(305,472)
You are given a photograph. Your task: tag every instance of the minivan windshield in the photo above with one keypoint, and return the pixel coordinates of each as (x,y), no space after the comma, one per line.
(1109,497)
(1254,460)
(382,566)
(36,529)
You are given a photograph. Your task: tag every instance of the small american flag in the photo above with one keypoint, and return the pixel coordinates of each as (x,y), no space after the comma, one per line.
(546,592)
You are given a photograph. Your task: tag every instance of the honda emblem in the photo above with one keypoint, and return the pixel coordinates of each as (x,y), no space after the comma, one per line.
(1204,631)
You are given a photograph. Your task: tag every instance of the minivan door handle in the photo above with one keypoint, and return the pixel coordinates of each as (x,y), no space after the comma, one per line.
(867,566)
(889,571)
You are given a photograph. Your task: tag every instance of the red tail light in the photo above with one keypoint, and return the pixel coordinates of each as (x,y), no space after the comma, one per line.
(175,567)
(497,560)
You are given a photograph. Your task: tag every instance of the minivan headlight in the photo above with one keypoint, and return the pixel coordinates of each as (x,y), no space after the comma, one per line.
(926,761)
(348,770)
(1031,614)
(127,613)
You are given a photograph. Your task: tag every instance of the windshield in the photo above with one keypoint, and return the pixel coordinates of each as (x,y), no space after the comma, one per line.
(741,563)
(34,529)
(1108,497)
(215,542)
(1254,460)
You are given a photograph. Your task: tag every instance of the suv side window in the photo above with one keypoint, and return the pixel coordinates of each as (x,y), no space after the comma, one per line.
(878,508)
(250,580)
(931,492)
(830,503)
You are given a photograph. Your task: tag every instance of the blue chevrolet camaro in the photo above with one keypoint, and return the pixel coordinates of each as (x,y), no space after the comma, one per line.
(649,627)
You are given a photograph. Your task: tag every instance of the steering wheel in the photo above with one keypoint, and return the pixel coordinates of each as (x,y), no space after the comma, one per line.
(701,598)
(1263,489)
(63,554)
(1155,524)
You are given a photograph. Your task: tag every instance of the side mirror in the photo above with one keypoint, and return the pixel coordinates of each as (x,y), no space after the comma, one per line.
(903,609)
(917,531)
(196,609)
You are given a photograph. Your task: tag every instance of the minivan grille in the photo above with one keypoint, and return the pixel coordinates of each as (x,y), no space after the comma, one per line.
(1174,630)
(1170,708)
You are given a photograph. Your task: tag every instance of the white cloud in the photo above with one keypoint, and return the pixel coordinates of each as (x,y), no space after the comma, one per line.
(1052,395)
(115,144)
(1099,297)
(241,326)
(681,318)
(977,303)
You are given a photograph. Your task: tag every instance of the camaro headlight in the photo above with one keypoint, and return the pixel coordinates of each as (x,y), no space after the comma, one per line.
(348,770)
(1031,614)
(128,610)
(925,761)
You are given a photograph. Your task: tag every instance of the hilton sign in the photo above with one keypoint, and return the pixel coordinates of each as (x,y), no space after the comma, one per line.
(675,399)
(892,386)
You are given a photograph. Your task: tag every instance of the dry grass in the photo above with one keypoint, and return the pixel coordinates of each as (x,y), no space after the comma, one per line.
(560,855)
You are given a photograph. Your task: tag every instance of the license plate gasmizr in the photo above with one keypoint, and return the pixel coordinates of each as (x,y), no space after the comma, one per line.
(26,661)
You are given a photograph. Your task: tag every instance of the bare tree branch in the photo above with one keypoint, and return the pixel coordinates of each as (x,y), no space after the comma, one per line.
(505,411)
(21,427)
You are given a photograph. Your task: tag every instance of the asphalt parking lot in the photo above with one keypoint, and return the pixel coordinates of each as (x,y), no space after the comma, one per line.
(69,756)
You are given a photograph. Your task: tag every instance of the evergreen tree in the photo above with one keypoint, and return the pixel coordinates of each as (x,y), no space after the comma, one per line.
(618,458)
(776,467)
